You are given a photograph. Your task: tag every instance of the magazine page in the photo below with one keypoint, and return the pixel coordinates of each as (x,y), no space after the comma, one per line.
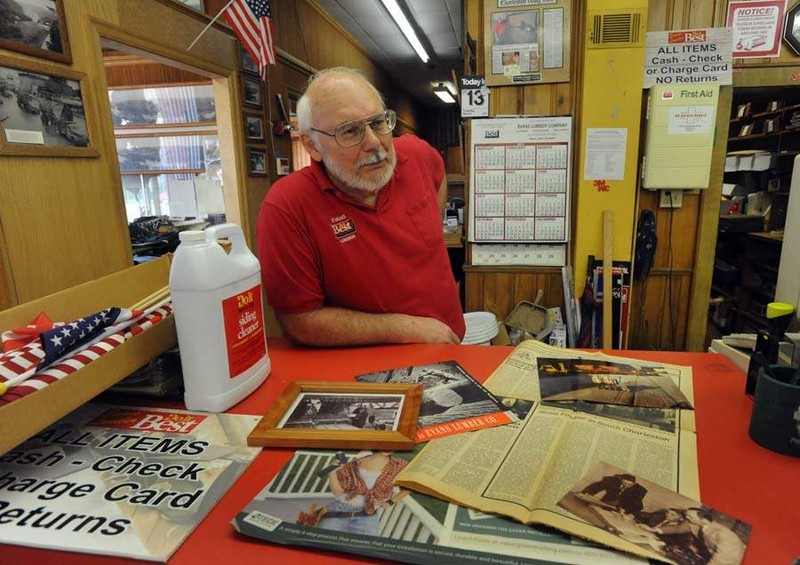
(452,400)
(519,375)
(122,481)
(305,506)
(526,470)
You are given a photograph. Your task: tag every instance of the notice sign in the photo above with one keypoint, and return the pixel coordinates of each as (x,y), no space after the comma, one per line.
(688,56)
(757,27)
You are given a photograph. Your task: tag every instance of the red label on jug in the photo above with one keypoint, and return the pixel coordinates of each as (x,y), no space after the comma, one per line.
(244,330)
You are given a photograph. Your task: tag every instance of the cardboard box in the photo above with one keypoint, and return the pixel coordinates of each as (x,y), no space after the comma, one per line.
(31,414)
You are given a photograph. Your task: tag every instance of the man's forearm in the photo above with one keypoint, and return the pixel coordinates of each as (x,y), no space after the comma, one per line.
(332,326)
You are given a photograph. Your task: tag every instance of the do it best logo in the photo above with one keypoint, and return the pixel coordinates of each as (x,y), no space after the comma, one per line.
(145,420)
(687,36)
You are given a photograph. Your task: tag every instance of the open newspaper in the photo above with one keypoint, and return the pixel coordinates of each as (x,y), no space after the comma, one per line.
(524,469)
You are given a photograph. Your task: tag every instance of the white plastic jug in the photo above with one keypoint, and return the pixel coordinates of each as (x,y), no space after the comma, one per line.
(219,318)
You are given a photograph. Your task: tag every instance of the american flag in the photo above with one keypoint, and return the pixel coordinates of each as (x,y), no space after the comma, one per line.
(250,20)
(60,341)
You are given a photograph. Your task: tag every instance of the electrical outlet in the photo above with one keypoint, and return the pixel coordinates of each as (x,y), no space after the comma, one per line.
(670,198)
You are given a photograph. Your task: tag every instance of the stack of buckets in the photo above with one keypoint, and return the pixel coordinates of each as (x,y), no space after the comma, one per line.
(481,328)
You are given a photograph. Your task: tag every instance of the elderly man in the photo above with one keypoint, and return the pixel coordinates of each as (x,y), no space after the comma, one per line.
(351,247)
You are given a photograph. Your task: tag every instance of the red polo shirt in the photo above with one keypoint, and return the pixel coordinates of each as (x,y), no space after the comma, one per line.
(319,247)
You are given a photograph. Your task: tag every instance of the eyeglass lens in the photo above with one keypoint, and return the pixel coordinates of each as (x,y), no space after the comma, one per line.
(352,133)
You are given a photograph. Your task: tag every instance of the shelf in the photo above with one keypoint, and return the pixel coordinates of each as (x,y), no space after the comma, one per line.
(455,178)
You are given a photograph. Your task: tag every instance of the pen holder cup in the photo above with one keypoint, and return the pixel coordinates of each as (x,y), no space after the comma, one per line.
(775,422)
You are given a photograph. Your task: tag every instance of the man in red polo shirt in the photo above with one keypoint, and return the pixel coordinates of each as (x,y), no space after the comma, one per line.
(352,250)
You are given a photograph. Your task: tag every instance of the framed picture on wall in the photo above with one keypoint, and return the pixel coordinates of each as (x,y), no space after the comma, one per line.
(526,44)
(254,127)
(193,4)
(42,113)
(248,65)
(35,27)
(253,92)
(256,162)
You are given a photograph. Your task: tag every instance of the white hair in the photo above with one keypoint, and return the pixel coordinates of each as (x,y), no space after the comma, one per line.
(304,105)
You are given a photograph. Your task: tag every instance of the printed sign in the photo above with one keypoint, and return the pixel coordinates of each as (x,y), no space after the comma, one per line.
(757,27)
(474,97)
(688,56)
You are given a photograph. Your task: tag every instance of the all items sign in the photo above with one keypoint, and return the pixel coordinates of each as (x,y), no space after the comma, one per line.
(688,57)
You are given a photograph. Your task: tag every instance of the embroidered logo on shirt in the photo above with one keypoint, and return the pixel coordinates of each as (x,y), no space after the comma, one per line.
(343,228)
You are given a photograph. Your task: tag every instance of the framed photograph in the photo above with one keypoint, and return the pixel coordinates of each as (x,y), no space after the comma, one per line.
(193,4)
(253,92)
(248,64)
(526,44)
(159,154)
(254,127)
(35,27)
(256,162)
(341,415)
(42,113)
(162,106)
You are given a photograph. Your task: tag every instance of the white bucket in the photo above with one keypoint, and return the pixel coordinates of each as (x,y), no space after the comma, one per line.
(481,328)
(219,318)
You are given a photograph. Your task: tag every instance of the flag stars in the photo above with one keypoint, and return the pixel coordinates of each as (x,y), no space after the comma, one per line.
(56,341)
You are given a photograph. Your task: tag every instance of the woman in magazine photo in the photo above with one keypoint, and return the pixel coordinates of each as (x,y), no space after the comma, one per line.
(361,487)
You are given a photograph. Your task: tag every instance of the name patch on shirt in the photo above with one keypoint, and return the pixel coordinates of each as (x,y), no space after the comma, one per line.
(343,228)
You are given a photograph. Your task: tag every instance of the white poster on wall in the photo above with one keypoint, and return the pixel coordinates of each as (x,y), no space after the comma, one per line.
(689,56)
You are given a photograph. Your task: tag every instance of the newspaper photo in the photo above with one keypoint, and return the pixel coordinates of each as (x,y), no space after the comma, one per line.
(309,504)
(674,526)
(608,382)
(452,401)
(121,481)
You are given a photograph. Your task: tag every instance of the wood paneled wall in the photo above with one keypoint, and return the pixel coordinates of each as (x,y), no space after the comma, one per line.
(494,289)
(63,218)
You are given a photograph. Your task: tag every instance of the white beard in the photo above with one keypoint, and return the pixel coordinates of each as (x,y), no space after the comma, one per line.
(356,182)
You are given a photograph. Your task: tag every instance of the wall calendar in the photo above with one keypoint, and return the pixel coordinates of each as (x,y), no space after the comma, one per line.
(520,180)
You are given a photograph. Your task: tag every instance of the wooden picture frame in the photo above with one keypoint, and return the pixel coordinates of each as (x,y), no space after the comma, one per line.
(254,128)
(352,413)
(252,92)
(196,5)
(19,32)
(43,111)
(256,162)
(246,62)
(527,44)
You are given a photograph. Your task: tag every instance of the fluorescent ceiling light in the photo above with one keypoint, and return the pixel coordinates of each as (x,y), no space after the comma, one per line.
(405,26)
(444,94)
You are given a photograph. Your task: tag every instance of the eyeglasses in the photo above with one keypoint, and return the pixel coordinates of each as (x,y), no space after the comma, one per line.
(349,134)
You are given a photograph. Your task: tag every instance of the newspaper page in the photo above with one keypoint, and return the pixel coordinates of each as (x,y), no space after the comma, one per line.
(121,481)
(299,507)
(518,375)
(523,469)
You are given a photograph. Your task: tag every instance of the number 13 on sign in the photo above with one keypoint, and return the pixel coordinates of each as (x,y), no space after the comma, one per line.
(474,97)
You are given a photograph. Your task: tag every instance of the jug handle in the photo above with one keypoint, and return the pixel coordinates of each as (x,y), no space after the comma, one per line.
(232,231)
